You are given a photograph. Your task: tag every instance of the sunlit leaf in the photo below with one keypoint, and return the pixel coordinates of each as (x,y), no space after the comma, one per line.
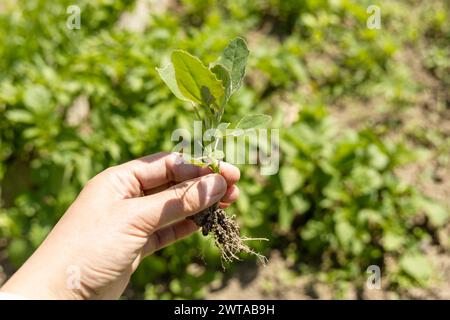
(194,79)
(224,75)
(253,121)
(234,58)
(167,74)
(417,266)
(290,179)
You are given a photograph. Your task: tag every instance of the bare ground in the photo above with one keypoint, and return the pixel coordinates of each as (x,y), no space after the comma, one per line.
(277,281)
(431,176)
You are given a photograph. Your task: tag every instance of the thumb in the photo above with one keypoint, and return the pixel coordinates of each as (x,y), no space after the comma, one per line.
(178,202)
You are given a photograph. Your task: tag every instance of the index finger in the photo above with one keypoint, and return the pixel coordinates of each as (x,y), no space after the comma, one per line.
(164,167)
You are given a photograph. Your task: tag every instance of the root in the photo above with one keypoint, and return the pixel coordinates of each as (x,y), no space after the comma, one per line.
(226,233)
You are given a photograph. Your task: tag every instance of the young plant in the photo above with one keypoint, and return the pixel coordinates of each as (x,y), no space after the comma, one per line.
(209,90)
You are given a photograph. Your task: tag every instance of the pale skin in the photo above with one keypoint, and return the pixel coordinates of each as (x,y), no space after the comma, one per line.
(122,215)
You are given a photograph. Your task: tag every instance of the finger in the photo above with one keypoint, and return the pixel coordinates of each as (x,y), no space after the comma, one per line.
(159,188)
(178,202)
(166,236)
(228,171)
(231,195)
(224,205)
(161,168)
(170,234)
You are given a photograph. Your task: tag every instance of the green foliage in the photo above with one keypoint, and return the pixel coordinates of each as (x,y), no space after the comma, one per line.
(234,59)
(195,81)
(190,80)
(336,205)
(253,121)
(357,210)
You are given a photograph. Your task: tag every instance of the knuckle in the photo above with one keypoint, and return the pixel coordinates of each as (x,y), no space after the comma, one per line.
(186,198)
(103,176)
(173,158)
(108,171)
(172,234)
(157,241)
(169,156)
(173,154)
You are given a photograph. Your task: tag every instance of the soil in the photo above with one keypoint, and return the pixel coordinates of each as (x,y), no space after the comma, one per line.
(278,281)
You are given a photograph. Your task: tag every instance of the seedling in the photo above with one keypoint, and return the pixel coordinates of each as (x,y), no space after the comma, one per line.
(209,90)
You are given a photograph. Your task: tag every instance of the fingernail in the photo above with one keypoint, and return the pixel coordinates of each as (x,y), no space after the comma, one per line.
(214,186)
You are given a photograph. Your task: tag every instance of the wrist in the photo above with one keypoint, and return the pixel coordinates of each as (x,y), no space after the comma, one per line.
(43,278)
(36,287)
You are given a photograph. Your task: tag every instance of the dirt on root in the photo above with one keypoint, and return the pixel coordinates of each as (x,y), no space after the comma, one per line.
(225,231)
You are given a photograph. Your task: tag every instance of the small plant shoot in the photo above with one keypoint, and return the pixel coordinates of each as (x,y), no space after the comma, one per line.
(209,90)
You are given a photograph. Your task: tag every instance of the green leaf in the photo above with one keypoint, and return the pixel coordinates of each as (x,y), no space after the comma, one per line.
(365,180)
(417,266)
(222,127)
(234,58)
(37,98)
(167,74)
(285,217)
(344,232)
(19,116)
(253,121)
(299,203)
(377,158)
(18,250)
(392,241)
(195,81)
(207,97)
(223,74)
(290,179)
(437,214)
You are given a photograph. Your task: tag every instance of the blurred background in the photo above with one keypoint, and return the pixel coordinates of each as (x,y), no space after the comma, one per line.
(365,136)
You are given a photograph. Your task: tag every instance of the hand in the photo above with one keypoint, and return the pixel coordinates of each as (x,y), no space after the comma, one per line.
(122,215)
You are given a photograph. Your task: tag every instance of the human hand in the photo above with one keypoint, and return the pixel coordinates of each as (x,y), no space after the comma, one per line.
(122,215)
